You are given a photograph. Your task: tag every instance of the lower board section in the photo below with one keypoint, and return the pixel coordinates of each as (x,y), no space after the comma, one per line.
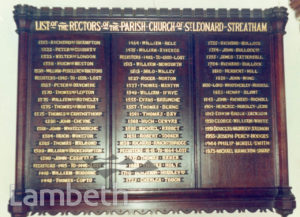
(160,111)
(187,201)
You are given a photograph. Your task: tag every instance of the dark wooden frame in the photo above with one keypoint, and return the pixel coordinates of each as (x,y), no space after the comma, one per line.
(279,198)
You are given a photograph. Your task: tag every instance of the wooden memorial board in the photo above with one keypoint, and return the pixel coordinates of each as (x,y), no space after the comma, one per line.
(178,110)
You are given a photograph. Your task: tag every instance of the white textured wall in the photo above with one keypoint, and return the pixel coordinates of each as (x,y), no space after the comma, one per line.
(8,81)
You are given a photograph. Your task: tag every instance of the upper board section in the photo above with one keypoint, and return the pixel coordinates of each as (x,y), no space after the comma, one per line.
(149,20)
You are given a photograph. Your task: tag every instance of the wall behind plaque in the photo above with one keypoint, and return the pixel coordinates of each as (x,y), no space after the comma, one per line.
(8,82)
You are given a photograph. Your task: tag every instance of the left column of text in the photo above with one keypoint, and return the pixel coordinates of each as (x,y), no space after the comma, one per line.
(69,117)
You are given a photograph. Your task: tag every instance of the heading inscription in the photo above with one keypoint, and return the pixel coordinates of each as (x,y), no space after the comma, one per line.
(149,26)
